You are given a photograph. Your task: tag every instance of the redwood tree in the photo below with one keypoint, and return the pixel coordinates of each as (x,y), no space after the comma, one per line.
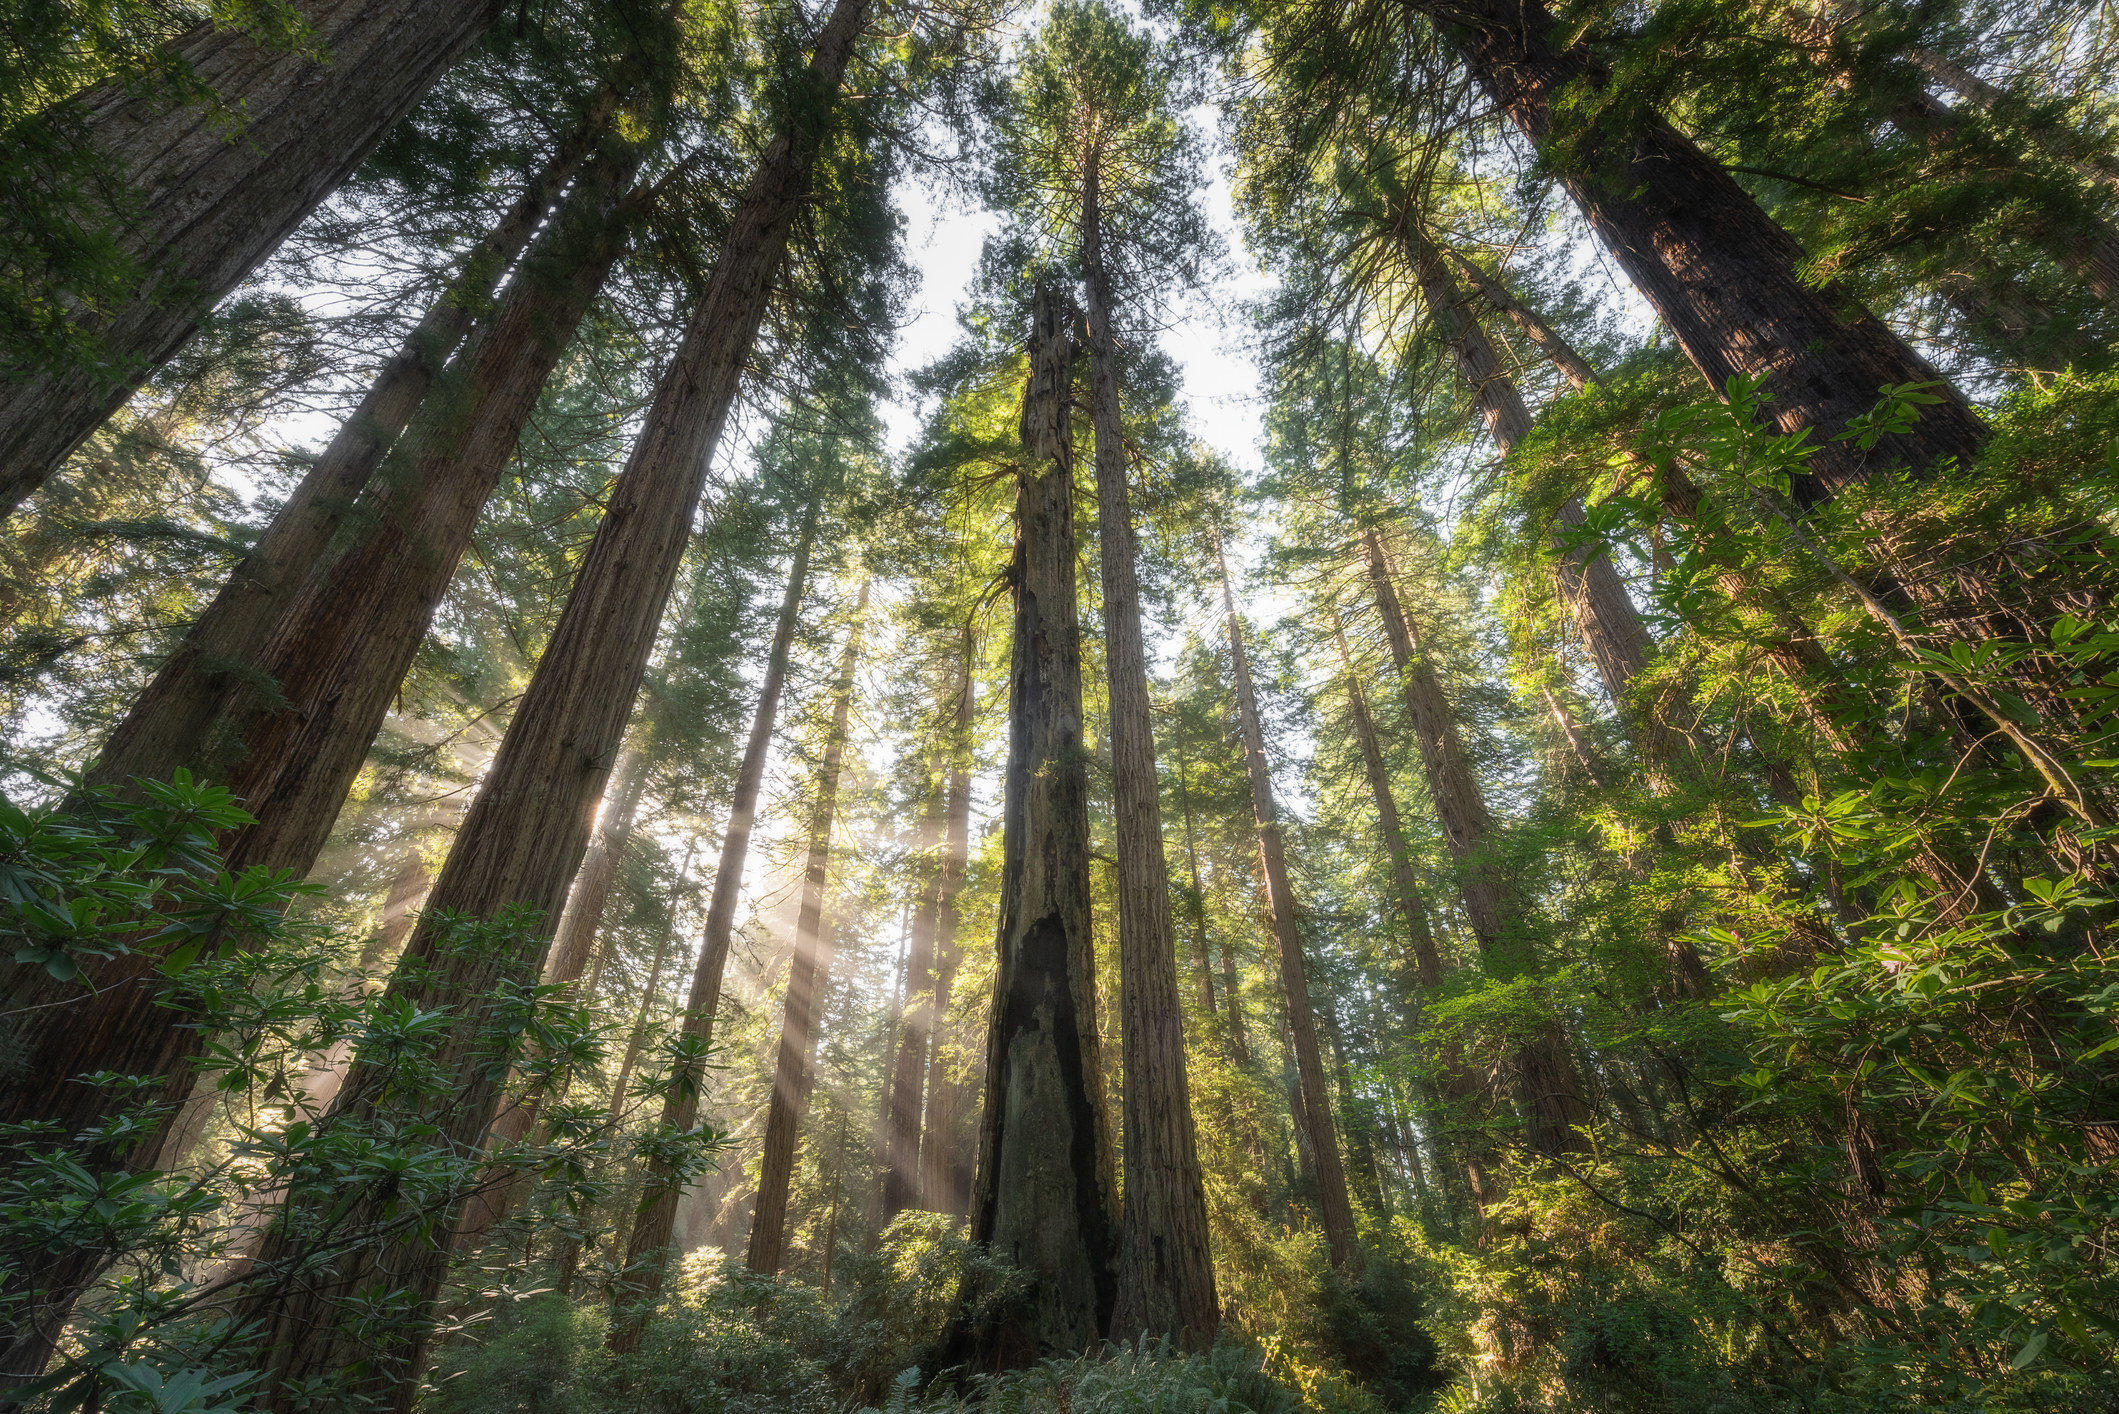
(1043,1198)
(1094,157)
(213,187)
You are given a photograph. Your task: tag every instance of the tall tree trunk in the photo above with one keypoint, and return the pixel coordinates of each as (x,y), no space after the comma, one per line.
(591,894)
(901,1139)
(1547,1091)
(1589,585)
(525,834)
(1337,1211)
(798,1037)
(503,1188)
(1165,1270)
(337,657)
(210,200)
(636,1039)
(173,722)
(647,1244)
(945,1164)
(1044,1197)
(1196,896)
(1721,274)
(1412,908)
(1459,803)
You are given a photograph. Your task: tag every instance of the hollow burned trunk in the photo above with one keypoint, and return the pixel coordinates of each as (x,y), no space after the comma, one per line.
(1043,1199)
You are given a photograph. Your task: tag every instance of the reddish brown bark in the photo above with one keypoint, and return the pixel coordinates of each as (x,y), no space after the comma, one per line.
(337,656)
(208,201)
(1043,1198)
(1724,278)
(177,721)
(1165,1268)
(805,972)
(1315,1118)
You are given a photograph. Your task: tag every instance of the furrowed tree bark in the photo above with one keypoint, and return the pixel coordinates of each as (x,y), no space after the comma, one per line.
(1044,1196)
(656,1218)
(336,656)
(1316,1110)
(1165,1269)
(525,834)
(1721,274)
(210,203)
(901,1139)
(1412,908)
(945,1164)
(1547,1092)
(564,964)
(177,721)
(798,1038)
(344,645)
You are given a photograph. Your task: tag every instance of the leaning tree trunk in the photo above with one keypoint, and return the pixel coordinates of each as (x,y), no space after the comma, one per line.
(172,724)
(656,1218)
(337,657)
(1459,1086)
(945,1167)
(1721,274)
(1412,908)
(906,1088)
(798,1038)
(1315,1110)
(1547,1091)
(1043,1200)
(569,956)
(1165,1268)
(598,875)
(206,200)
(1589,585)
